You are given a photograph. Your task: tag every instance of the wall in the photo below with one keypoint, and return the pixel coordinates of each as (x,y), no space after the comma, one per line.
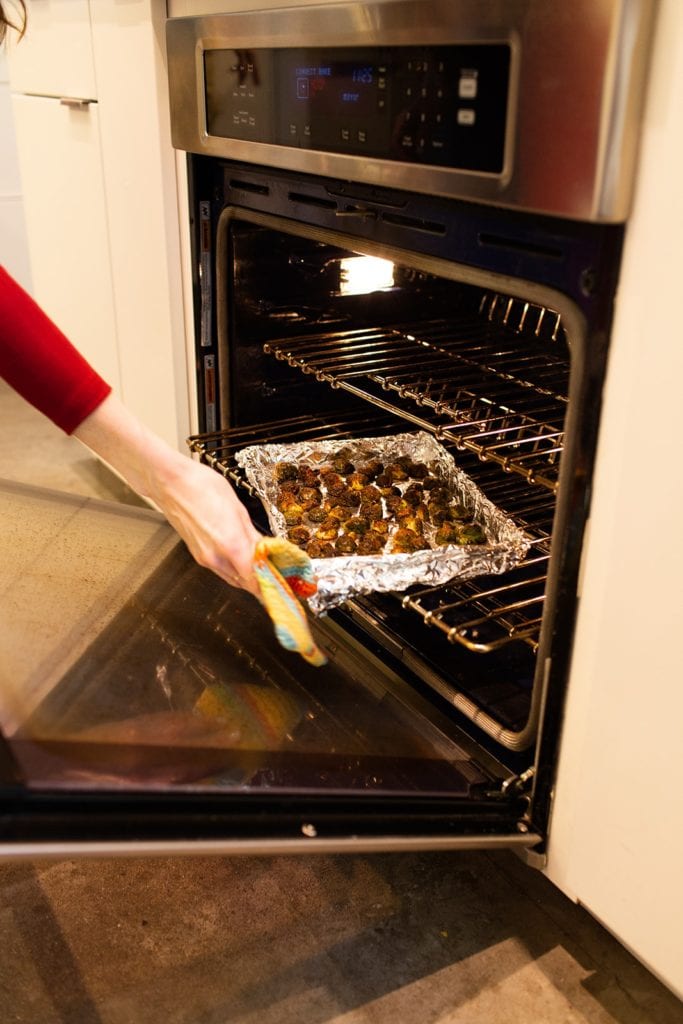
(13,242)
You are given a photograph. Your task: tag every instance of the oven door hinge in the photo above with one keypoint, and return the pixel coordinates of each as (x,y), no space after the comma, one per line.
(518,785)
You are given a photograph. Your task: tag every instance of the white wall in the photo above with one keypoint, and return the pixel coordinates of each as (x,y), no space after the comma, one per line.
(13,243)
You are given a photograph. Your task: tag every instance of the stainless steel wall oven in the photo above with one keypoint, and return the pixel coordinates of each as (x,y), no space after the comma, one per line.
(484,165)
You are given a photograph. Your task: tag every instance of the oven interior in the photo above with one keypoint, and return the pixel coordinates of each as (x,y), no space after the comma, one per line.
(326,329)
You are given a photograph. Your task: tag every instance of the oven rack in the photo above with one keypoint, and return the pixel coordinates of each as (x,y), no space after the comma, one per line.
(477,614)
(485,393)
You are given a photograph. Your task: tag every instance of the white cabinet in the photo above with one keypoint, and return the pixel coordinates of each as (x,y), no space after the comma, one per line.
(55,56)
(99,184)
(61,170)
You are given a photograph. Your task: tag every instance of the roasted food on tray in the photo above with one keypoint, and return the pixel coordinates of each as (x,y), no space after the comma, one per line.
(349,506)
(380,513)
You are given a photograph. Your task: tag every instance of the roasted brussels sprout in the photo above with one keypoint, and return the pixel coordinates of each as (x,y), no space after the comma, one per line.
(349,498)
(286,471)
(318,514)
(293,515)
(299,535)
(471,534)
(346,545)
(320,549)
(309,497)
(447,534)
(371,544)
(357,481)
(356,525)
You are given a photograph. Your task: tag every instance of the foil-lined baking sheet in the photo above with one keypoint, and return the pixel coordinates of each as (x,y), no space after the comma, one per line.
(342,577)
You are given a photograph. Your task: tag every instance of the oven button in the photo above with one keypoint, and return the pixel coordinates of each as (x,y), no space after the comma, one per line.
(407,142)
(381,103)
(466,116)
(362,135)
(307,129)
(467,85)
(437,144)
(345,134)
(381,83)
(292,129)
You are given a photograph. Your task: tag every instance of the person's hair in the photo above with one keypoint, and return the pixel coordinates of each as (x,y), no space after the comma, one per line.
(5,22)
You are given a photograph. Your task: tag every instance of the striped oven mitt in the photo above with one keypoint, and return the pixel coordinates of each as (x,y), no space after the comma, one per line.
(284,575)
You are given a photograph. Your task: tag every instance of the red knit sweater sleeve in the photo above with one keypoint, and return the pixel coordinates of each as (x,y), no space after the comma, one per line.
(39,362)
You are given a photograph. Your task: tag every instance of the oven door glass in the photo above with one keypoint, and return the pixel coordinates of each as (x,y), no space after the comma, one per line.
(143,700)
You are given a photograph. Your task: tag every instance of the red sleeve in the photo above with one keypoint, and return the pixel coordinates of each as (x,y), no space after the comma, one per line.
(41,364)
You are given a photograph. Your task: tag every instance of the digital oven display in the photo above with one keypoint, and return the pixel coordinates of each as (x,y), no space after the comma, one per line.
(435,105)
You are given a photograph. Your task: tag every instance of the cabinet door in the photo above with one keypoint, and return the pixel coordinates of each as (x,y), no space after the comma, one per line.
(55,56)
(60,164)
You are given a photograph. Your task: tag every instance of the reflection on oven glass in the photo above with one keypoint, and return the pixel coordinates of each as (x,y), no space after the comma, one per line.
(188,687)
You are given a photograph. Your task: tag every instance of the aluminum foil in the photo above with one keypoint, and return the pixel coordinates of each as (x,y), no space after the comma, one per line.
(340,578)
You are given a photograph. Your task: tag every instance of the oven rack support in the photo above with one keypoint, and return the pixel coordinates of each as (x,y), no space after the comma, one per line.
(485,394)
(476,614)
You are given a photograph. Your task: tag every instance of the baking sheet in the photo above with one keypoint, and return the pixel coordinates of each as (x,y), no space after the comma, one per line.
(342,577)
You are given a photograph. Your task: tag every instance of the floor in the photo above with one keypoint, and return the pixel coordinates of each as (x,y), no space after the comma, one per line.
(384,939)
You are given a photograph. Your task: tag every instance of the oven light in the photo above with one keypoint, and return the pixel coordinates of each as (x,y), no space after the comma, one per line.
(359,275)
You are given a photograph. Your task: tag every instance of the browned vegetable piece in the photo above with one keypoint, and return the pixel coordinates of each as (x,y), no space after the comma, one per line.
(439,514)
(334,483)
(299,535)
(286,471)
(349,498)
(342,465)
(346,545)
(309,477)
(328,530)
(320,549)
(430,482)
(357,481)
(404,541)
(396,472)
(309,497)
(413,494)
(447,534)
(380,526)
(398,505)
(440,494)
(388,490)
(371,544)
(459,512)
(371,509)
(370,493)
(318,514)
(471,534)
(371,469)
(338,512)
(417,470)
(285,499)
(356,525)
(411,522)
(293,515)
(292,486)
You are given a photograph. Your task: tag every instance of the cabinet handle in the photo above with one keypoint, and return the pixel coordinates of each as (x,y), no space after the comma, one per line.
(74,102)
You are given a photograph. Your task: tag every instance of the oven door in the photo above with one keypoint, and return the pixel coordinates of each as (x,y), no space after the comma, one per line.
(146,706)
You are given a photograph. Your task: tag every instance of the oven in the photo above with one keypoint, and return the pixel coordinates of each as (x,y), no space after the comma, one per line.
(404,216)
(475,162)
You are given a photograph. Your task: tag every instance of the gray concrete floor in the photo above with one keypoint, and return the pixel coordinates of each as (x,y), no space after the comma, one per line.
(384,939)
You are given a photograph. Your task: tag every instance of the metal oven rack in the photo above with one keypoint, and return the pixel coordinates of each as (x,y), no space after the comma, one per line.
(476,614)
(481,390)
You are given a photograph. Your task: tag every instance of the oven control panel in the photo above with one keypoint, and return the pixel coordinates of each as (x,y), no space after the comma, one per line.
(435,105)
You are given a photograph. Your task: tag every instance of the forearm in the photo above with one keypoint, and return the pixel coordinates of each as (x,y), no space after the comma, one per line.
(196,501)
(143,459)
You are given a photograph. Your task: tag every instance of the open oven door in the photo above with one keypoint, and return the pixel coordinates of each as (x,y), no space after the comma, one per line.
(146,706)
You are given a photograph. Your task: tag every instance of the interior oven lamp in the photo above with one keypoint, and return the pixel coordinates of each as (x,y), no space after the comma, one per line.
(360,275)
